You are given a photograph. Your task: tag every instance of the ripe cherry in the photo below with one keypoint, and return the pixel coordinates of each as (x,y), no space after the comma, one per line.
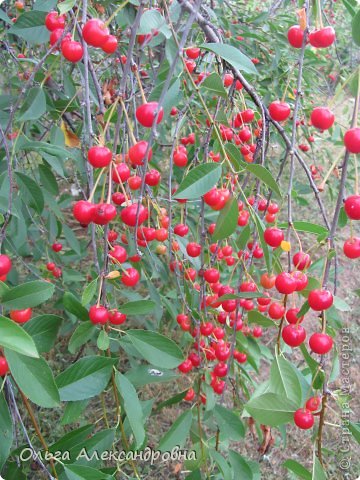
(55,36)
(352,207)
(146,114)
(320,299)
(301,280)
(21,316)
(99,156)
(193,249)
(116,317)
(4,367)
(313,404)
(257,332)
(303,418)
(240,356)
(279,111)
(192,52)
(83,211)
(186,366)
(181,230)
(98,314)
(220,369)
(320,343)
(291,316)
(110,45)
(121,173)
(285,283)
(134,182)
(322,118)
(322,38)
(276,311)
(95,32)
(293,335)
(212,275)
(190,395)
(130,277)
(54,21)
(301,260)
(72,51)
(267,281)
(273,236)
(137,153)
(118,254)
(352,140)
(152,178)
(104,213)
(5,265)
(129,213)
(50,266)
(352,247)
(295,36)
(57,247)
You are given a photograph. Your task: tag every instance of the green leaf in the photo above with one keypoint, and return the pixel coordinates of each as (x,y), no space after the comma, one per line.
(264,176)
(240,466)
(28,295)
(34,105)
(231,55)
(222,464)
(33,190)
(271,409)
(12,336)
(178,432)
(341,305)
(6,431)
(34,377)
(81,335)
(72,305)
(80,472)
(43,330)
(227,220)
(145,374)
(66,6)
(103,341)
(199,181)
(318,471)
(284,381)
(5,18)
(153,20)
(229,423)
(307,227)
(139,307)
(89,292)
(73,410)
(155,348)
(349,4)
(355,430)
(84,379)
(31,27)
(132,407)
(355,28)
(71,239)
(259,319)
(214,84)
(235,156)
(298,469)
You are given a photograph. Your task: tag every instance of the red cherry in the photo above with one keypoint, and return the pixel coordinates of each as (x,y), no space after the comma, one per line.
(110,45)
(134,182)
(4,367)
(116,318)
(322,118)
(5,265)
(152,178)
(186,366)
(206,328)
(352,140)
(240,356)
(228,79)
(273,208)
(146,113)
(21,316)
(218,386)
(180,157)
(130,277)
(98,314)
(212,275)
(55,36)
(129,213)
(352,207)
(301,280)
(95,32)
(222,352)
(320,343)
(245,134)
(121,173)
(220,369)
(118,254)
(276,311)
(118,198)
(285,283)
(104,213)
(83,211)
(192,52)
(273,236)
(257,332)
(57,272)
(267,281)
(301,260)
(50,266)
(57,247)
(54,21)
(322,38)
(99,156)
(72,51)
(291,316)
(193,249)
(293,335)
(352,248)
(194,359)
(181,230)
(279,111)
(112,236)
(190,395)
(313,404)
(303,418)
(137,153)
(295,36)
(320,299)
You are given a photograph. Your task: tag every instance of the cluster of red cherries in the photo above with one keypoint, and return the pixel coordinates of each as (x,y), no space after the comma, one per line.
(94,33)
